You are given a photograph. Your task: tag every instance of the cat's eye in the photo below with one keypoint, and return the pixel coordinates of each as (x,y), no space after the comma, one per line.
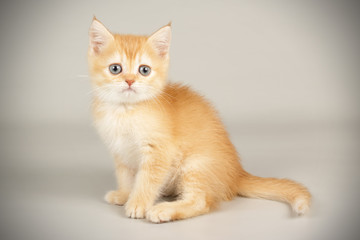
(144,70)
(115,68)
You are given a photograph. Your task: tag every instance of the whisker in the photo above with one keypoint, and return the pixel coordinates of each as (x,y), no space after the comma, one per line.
(103,87)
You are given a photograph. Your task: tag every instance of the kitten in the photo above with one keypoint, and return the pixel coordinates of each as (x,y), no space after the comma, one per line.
(165,138)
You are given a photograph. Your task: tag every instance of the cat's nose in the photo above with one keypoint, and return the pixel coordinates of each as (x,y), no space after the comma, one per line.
(129,82)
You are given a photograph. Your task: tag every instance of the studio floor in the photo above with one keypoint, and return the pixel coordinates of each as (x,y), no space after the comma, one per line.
(284,75)
(53,179)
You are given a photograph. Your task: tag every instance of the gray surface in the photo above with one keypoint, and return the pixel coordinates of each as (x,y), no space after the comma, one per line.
(60,195)
(283,74)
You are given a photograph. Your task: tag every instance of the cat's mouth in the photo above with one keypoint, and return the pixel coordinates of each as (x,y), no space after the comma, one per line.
(129,89)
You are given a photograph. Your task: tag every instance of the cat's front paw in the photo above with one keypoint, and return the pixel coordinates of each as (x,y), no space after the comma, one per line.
(116,197)
(135,209)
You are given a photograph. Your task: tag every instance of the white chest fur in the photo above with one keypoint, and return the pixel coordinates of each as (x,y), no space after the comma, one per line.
(125,134)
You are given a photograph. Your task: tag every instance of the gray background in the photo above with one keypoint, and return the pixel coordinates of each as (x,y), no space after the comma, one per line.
(283,75)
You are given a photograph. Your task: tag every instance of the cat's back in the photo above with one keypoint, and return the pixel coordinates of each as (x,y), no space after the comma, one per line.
(184,94)
(187,103)
(193,115)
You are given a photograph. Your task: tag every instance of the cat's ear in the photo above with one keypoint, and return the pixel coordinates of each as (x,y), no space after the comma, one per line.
(160,40)
(99,36)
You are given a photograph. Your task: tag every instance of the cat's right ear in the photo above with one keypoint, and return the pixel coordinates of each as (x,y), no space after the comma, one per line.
(99,36)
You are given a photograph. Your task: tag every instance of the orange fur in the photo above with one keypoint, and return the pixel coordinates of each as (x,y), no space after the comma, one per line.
(166,139)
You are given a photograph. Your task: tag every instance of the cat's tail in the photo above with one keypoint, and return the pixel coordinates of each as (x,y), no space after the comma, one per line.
(276,189)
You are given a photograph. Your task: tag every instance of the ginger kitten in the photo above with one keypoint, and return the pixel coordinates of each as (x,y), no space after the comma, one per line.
(165,138)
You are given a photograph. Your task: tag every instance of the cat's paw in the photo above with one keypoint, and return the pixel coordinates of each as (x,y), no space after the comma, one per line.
(116,197)
(135,209)
(301,205)
(160,213)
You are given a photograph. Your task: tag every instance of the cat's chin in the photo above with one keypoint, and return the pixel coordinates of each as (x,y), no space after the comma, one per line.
(129,93)
(128,97)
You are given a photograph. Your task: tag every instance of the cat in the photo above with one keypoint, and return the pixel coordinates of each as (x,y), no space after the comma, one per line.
(166,139)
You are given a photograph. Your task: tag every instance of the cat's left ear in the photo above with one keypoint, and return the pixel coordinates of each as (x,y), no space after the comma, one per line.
(99,36)
(160,40)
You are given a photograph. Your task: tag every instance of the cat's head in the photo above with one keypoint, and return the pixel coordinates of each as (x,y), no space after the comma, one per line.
(128,68)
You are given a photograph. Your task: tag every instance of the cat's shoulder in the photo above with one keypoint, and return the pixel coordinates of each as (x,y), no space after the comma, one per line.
(187,100)
(181,91)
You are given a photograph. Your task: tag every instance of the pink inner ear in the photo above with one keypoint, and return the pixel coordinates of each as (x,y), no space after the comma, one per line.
(99,36)
(160,40)
(96,43)
(162,48)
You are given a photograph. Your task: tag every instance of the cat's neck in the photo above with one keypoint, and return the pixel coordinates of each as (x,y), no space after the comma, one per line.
(119,108)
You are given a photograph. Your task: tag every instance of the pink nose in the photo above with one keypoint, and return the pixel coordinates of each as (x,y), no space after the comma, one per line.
(129,82)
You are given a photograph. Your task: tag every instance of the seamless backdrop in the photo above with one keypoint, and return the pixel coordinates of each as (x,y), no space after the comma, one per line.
(284,76)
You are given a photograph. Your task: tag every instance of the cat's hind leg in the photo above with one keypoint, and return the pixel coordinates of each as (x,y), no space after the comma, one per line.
(193,201)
